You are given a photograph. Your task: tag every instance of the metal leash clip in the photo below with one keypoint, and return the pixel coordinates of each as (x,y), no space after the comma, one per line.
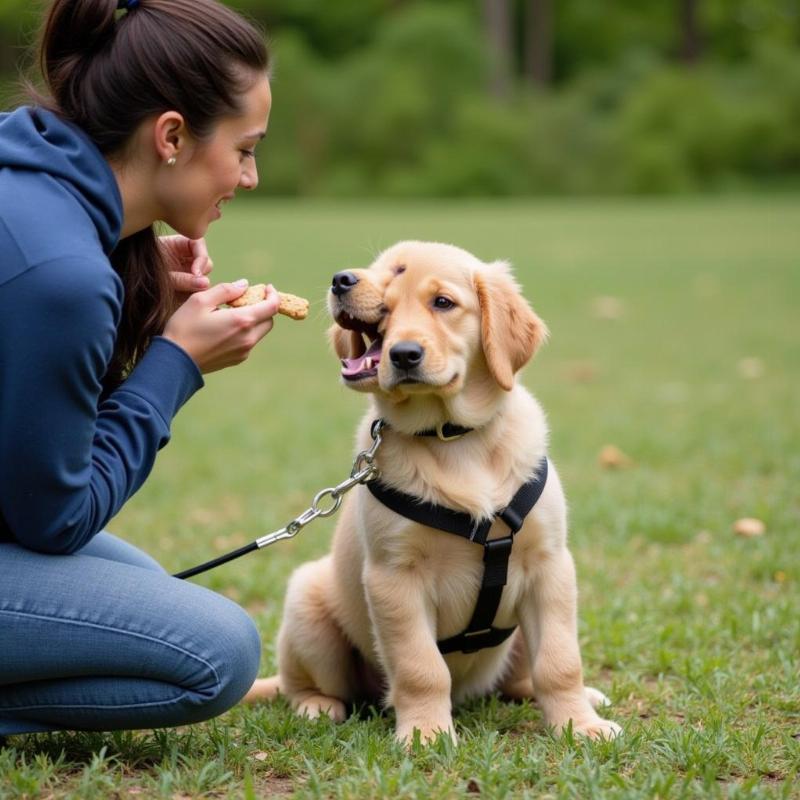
(363,471)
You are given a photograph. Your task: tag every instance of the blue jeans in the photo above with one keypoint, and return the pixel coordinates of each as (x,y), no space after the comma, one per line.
(105,639)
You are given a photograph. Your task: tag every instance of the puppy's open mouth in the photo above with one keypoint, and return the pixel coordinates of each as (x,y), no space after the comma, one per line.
(368,344)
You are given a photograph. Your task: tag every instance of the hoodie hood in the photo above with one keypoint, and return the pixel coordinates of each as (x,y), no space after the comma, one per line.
(38,140)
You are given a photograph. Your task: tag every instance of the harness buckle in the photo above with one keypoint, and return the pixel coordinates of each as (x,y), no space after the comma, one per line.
(496,553)
(512,518)
(495,547)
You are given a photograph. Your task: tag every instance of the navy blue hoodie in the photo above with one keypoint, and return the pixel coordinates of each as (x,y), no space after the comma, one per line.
(69,459)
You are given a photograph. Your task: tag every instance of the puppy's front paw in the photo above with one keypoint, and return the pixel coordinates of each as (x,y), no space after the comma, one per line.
(597,728)
(428,732)
(316,705)
(575,710)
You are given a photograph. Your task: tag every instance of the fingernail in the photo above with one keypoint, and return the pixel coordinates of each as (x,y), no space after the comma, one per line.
(200,283)
(241,282)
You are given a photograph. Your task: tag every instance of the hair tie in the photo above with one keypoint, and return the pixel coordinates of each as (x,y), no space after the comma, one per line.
(127,5)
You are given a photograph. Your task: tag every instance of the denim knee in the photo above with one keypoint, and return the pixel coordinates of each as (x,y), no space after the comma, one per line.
(243,660)
(236,646)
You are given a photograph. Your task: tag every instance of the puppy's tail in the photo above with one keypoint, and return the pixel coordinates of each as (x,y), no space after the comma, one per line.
(263,690)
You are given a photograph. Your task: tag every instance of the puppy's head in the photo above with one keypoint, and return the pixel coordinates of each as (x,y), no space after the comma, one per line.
(428,318)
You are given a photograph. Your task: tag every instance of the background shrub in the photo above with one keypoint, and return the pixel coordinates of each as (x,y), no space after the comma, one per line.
(408,97)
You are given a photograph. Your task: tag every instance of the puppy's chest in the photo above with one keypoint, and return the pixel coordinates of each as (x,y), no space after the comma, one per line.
(459,482)
(447,565)
(449,568)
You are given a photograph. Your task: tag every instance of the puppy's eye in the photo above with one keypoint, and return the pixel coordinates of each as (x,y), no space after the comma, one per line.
(443,303)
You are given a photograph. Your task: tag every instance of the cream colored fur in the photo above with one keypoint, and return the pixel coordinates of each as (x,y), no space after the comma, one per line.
(391,587)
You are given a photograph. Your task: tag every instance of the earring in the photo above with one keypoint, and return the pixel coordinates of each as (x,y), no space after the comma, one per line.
(171,161)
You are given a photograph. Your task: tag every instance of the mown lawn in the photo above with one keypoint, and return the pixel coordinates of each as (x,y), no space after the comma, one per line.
(676,338)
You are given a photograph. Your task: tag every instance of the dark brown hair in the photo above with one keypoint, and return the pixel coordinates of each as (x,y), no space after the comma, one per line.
(107,71)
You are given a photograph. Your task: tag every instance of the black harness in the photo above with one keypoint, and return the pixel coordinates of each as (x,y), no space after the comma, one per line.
(480,633)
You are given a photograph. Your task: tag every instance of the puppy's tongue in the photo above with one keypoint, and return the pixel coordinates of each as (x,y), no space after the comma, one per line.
(354,366)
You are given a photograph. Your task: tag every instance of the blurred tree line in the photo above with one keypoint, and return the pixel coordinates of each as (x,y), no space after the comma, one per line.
(515,97)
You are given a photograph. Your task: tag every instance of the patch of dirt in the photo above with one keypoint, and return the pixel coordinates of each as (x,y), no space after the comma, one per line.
(272,786)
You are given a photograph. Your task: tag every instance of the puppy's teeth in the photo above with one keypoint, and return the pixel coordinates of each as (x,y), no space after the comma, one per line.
(368,363)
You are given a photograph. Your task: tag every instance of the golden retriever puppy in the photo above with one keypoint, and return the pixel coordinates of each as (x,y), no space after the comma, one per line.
(436,337)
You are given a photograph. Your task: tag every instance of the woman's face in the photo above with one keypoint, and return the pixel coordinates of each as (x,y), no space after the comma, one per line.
(208,173)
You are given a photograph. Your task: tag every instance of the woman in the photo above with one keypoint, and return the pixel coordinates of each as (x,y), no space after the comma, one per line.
(105,330)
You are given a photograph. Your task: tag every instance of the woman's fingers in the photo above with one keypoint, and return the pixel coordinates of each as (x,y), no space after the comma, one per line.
(221,337)
(187,283)
(201,263)
(188,255)
(222,293)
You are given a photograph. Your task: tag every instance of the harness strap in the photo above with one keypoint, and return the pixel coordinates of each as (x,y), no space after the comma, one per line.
(480,632)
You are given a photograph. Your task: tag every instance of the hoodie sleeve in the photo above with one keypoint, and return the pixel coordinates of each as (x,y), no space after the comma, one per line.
(69,460)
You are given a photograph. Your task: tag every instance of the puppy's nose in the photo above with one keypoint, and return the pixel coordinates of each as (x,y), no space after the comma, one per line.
(407,355)
(343,282)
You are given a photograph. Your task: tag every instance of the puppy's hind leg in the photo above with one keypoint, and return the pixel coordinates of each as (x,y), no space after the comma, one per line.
(517,683)
(264,689)
(315,659)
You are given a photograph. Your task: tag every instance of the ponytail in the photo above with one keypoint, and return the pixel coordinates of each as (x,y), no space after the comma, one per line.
(107,71)
(73,33)
(149,300)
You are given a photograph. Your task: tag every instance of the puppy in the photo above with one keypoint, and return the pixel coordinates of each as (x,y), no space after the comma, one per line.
(436,338)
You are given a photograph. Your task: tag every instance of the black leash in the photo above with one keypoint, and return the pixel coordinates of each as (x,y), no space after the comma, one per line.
(215,562)
(363,471)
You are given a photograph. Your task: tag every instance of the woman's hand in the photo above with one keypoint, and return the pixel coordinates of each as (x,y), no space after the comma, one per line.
(189,265)
(215,337)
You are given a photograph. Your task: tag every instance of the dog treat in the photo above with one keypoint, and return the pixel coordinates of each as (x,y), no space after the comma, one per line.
(252,294)
(291,305)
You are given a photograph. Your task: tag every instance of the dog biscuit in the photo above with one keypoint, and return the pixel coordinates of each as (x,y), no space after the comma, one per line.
(252,294)
(291,305)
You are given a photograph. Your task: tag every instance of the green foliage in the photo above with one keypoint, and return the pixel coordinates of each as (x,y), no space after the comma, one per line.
(392,97)
(686,130)
(409,114)
(330,29)
(358,124)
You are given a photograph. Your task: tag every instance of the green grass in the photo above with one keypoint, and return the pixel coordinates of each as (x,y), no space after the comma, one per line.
(693,631)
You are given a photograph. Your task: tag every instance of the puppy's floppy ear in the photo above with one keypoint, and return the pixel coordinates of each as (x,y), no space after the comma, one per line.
(510,330)
(346,344)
